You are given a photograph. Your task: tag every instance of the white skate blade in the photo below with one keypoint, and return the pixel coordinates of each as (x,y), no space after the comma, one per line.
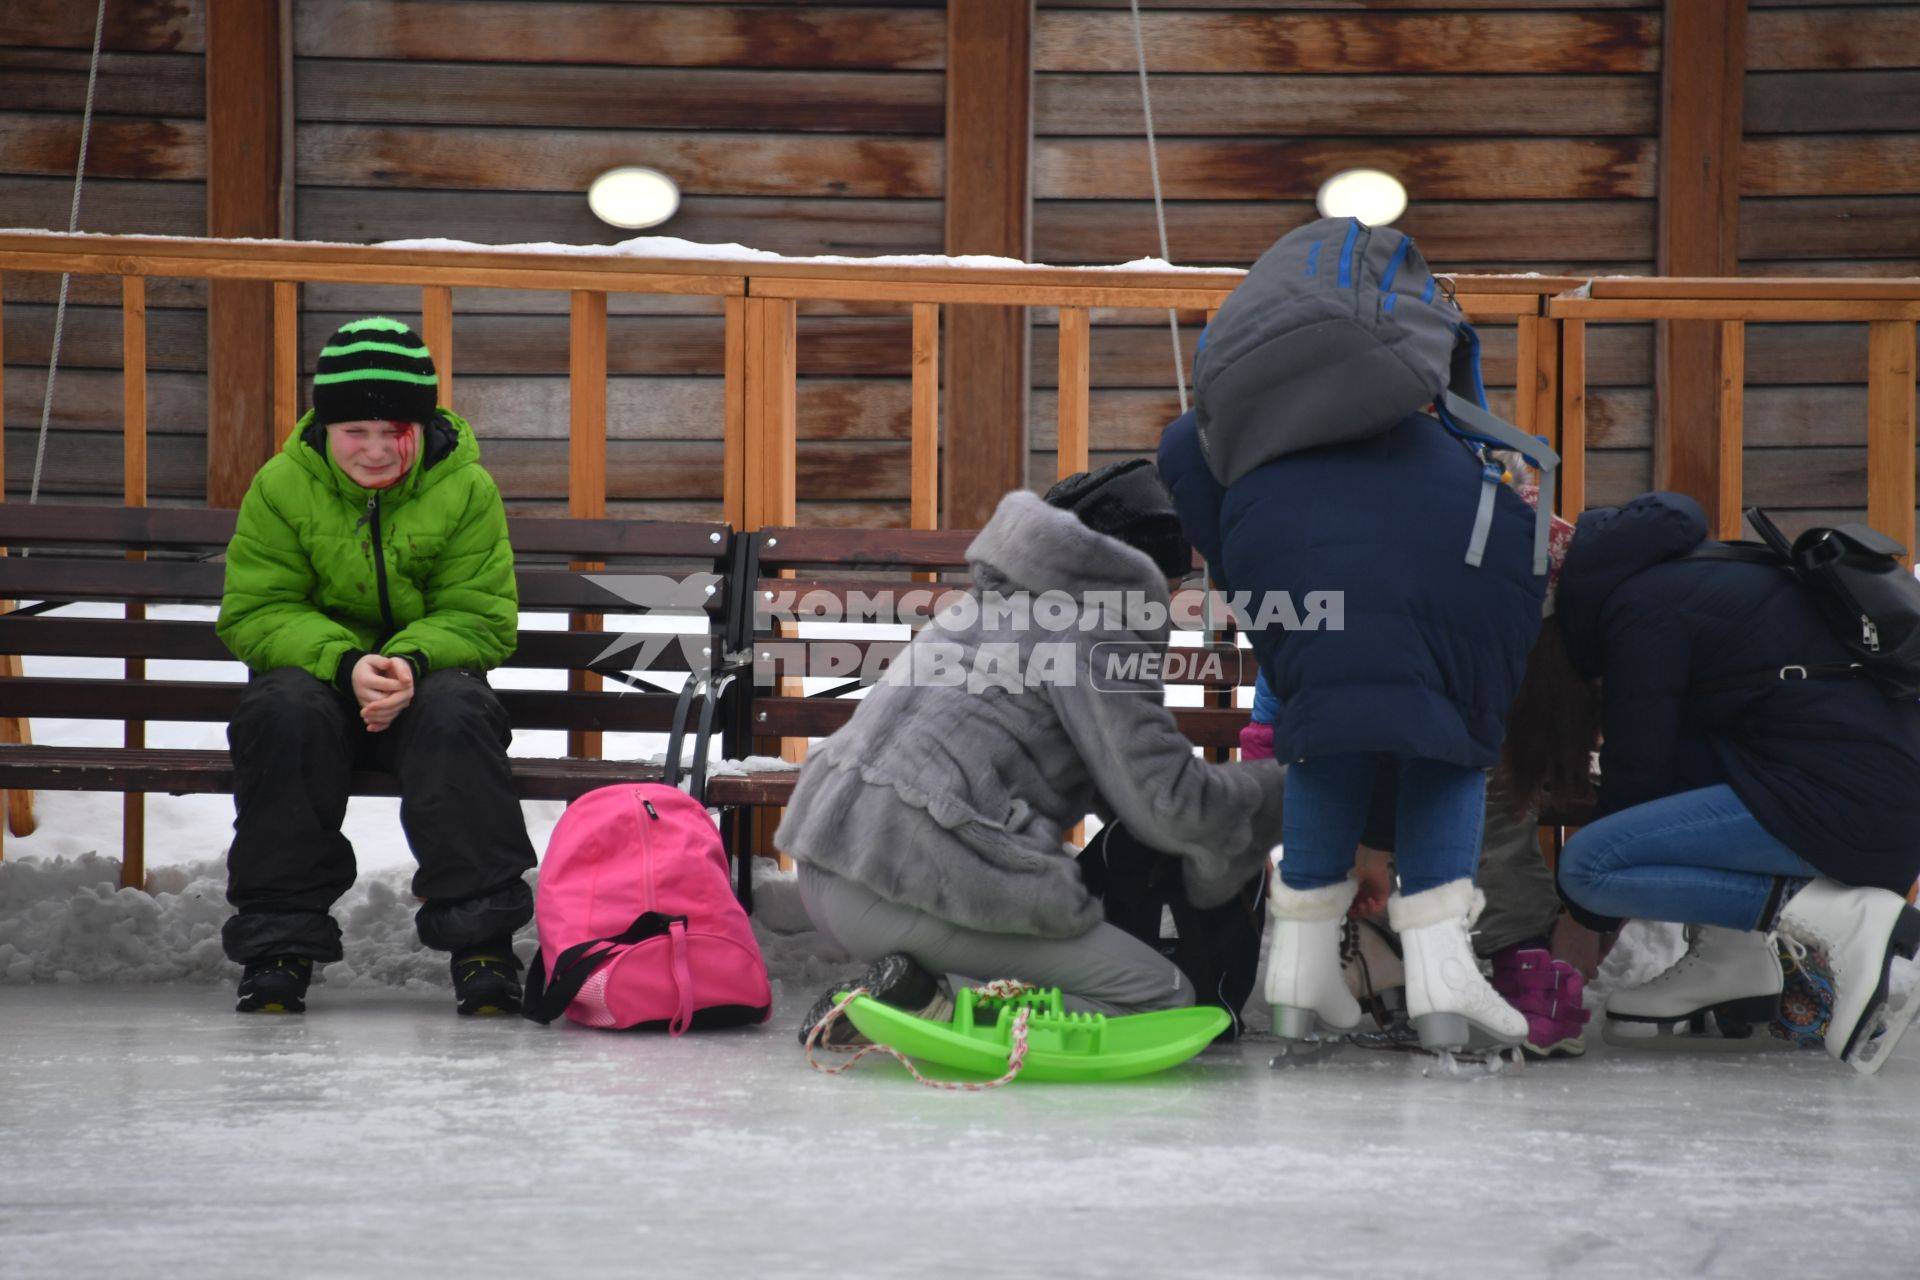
(1675,1037)
(1890,1021)
(1304,1053)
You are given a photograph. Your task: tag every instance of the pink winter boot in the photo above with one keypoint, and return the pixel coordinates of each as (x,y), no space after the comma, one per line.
(1549,993)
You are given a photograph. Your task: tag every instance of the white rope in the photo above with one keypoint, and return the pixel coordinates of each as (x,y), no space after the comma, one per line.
(1159,208)
(73,225)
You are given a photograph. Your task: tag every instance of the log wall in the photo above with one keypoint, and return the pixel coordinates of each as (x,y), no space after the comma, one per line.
(1526,134)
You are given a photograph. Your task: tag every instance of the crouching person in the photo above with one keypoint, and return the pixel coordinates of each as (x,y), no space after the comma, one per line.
(930,830)
(369,583)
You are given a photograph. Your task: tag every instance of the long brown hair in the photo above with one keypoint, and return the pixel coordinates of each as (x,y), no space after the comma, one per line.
(1552,728)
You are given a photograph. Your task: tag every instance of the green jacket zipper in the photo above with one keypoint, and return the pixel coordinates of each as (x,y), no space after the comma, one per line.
(372,521)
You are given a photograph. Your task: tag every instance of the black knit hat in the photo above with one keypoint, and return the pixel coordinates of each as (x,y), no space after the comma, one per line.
(1126,500)
(374,369)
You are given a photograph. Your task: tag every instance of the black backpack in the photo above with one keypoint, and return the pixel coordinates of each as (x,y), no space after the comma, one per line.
(1218,949)
(1868,597)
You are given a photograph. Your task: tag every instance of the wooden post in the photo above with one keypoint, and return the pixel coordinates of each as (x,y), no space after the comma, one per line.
(245,103)
(988,210)
(1702,69)
(13,729)
(925,488)
(1076,372)
(1572,489)
(1730,440)
(436,327)
(586,462)
(771,417)
(733,501)
(771,434)
(1890,429)
(286,357)
(133,363)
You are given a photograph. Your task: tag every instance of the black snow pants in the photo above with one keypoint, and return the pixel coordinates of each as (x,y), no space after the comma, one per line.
(296,742)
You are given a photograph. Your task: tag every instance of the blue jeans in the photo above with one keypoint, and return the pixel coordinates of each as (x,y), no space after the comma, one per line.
(1698,857)
(1440,813)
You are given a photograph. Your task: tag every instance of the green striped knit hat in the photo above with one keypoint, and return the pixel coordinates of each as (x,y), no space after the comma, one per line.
(374,368)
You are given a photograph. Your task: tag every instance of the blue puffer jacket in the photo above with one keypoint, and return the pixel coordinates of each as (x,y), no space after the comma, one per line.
(1831,768)
(1433,648)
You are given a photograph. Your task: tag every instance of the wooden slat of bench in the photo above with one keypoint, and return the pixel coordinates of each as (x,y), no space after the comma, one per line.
(193,528)
(125,528)
(926,598)
(618,539)
(1237,664)
(214,700)
(201,582)
(774,787)
(211,772)
(55,636)
(136,581)
(912,548)
(818,717)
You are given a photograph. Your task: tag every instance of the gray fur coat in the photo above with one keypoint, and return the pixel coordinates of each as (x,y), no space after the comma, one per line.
(954,799)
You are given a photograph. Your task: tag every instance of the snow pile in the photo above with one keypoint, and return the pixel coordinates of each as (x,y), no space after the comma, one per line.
(68,920)
(676,248)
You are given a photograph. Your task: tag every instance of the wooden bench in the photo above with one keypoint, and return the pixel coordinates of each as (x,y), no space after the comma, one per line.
(139,557)
(837,563)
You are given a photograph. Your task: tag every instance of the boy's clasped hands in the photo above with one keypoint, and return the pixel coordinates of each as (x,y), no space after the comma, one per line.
(383,686)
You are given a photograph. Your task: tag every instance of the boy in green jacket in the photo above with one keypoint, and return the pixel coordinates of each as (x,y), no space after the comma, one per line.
(369,585)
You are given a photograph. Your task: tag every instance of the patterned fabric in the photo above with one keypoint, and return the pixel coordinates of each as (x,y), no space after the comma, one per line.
(1558,540)
(1806,1004)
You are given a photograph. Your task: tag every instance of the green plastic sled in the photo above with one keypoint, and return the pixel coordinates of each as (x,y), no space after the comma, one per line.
(1060,1045)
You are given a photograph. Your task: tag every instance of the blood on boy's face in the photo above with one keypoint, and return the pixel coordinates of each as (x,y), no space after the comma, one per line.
(374,454)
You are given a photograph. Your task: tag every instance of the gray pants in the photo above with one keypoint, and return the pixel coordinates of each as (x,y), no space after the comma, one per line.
(1521,900)
(1102,971)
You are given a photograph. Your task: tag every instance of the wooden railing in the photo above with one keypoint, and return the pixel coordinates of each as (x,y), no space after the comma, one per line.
(760,315)
(1889,308)
(760,300)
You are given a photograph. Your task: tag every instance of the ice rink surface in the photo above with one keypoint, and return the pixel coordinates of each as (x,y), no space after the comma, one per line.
(148,1131)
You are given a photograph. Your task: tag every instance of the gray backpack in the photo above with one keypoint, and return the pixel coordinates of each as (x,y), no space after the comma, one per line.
(1338,333)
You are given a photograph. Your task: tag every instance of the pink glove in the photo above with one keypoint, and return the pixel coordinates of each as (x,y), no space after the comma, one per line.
(1256,741)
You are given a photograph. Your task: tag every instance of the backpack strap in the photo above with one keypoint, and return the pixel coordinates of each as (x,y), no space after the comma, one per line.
(546,999)
(1773,557)
(1469,420)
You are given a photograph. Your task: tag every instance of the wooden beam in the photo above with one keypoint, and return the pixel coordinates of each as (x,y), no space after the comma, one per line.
(1075,374)
(1729,464)
(133,364)
(989,210)
(586,463)
(771,413)
(1890,429)
(286,357)
(925,487)
(436,329)
(1701,88)
(733,430)
(1572,442)
(246,99)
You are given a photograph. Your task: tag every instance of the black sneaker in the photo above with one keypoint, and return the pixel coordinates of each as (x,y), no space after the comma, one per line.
(486,979)
(896,979)
(275,985)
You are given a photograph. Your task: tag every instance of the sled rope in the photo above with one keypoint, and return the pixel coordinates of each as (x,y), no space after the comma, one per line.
(999,989)
(1159,207)
(73,225)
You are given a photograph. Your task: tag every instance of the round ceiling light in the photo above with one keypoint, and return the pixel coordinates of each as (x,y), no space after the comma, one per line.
(1374,197)
(633,197)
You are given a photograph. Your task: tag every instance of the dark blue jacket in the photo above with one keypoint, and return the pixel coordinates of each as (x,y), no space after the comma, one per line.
(1831,768)
(1432,648)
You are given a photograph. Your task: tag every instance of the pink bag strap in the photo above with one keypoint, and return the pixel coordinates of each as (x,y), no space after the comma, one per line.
(682,976)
